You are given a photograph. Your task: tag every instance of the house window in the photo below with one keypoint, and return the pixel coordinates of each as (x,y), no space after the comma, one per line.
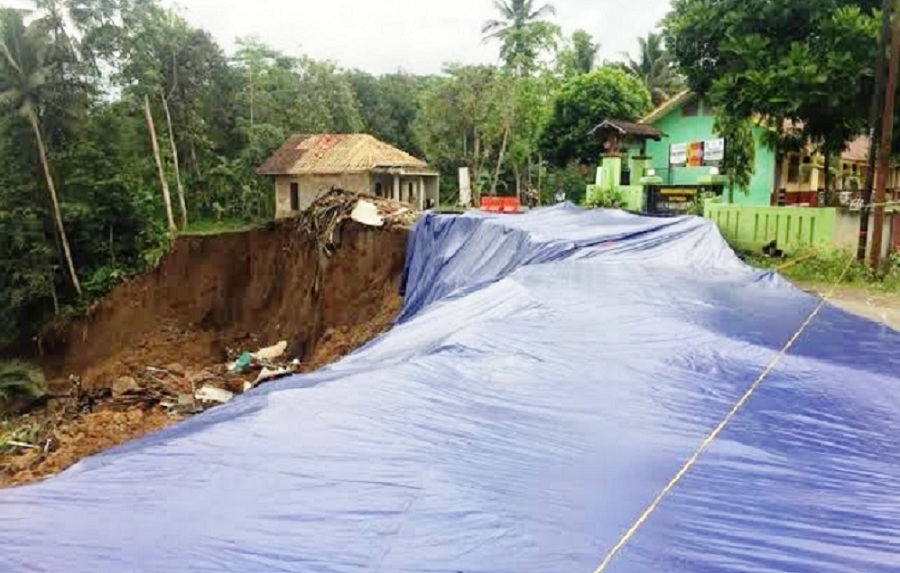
(379,190)
(690,109)
(295,196)
(793,174)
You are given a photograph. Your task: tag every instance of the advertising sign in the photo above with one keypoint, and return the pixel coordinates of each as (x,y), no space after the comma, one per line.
(695,154)
(678,154)
(713,151)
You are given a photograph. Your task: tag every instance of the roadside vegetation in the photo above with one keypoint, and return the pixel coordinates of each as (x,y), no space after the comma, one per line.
(824,267)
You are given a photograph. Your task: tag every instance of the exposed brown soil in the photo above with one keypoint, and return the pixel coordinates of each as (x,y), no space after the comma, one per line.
(210,299)
(236,291)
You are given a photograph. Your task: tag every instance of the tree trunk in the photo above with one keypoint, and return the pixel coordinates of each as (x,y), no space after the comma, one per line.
(540,168)
(53,295)
(874,129)
(518,184)
(476,171)
(159,166)
(51,188)
(884,148)
(827,178)
(500,161)
(181,203)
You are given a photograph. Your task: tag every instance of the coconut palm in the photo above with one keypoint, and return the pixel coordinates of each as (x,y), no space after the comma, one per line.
(522,30)
(22,76)
(655,68)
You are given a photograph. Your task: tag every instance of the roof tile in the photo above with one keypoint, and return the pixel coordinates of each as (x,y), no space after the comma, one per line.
(336,153)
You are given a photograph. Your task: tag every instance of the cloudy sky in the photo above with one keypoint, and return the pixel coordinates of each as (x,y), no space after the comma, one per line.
(418,36)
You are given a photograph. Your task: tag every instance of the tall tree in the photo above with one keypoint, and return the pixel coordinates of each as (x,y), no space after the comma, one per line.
(580,55)
(523,32)
(655,68)
(389,105)
(585,101)
(455,127)
(802,60)
(22,77)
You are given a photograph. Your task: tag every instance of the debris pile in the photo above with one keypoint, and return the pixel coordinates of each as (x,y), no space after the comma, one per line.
(156,397)
(325,215)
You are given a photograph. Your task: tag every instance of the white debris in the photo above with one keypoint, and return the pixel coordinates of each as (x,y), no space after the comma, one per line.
(366,212)
(267,374)
(271,352)
(212,394)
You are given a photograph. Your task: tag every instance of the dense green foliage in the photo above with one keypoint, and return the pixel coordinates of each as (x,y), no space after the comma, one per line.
(78,78)
(585,101)
(579,55)
(810,61)
(81,194)
(739,162)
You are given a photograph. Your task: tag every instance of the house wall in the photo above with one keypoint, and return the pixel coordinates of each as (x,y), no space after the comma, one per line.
(311,186)
(685,129)
(815,180)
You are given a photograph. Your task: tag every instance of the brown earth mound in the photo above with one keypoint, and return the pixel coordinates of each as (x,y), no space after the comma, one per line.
(209,300)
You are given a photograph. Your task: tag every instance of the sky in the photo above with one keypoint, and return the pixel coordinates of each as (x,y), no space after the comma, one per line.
(417,36)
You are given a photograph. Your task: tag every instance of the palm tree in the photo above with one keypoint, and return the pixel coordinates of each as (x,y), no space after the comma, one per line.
(655,68)
(521,30)
(22,76)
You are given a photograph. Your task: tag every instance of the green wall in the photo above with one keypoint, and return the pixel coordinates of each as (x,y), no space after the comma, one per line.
(680,129)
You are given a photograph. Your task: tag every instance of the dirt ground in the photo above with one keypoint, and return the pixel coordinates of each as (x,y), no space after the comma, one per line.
(116,374)
(878,306)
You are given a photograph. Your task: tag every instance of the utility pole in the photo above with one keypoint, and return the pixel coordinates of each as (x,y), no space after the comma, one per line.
(887,133)
(874,129)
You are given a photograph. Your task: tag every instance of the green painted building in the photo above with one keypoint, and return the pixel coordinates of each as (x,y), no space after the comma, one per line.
(686,120)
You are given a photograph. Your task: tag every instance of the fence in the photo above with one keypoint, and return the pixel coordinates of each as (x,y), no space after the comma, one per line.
(750,227)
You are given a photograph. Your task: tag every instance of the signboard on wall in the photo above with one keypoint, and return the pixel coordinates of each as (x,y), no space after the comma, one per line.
(678,154)
(695,154)
(713,151)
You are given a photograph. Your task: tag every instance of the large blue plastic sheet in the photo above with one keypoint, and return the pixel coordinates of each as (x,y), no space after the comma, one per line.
(550,374)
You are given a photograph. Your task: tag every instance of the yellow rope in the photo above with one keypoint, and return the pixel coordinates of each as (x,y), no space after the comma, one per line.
(718,429)
(795,261)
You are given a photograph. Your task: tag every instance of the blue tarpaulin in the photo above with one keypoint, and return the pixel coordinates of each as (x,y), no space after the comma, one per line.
(550,373)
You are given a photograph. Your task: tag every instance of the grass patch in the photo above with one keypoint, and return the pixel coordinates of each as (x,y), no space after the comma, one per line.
(20,381)
(19,435)
(826,267)
(206,228)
